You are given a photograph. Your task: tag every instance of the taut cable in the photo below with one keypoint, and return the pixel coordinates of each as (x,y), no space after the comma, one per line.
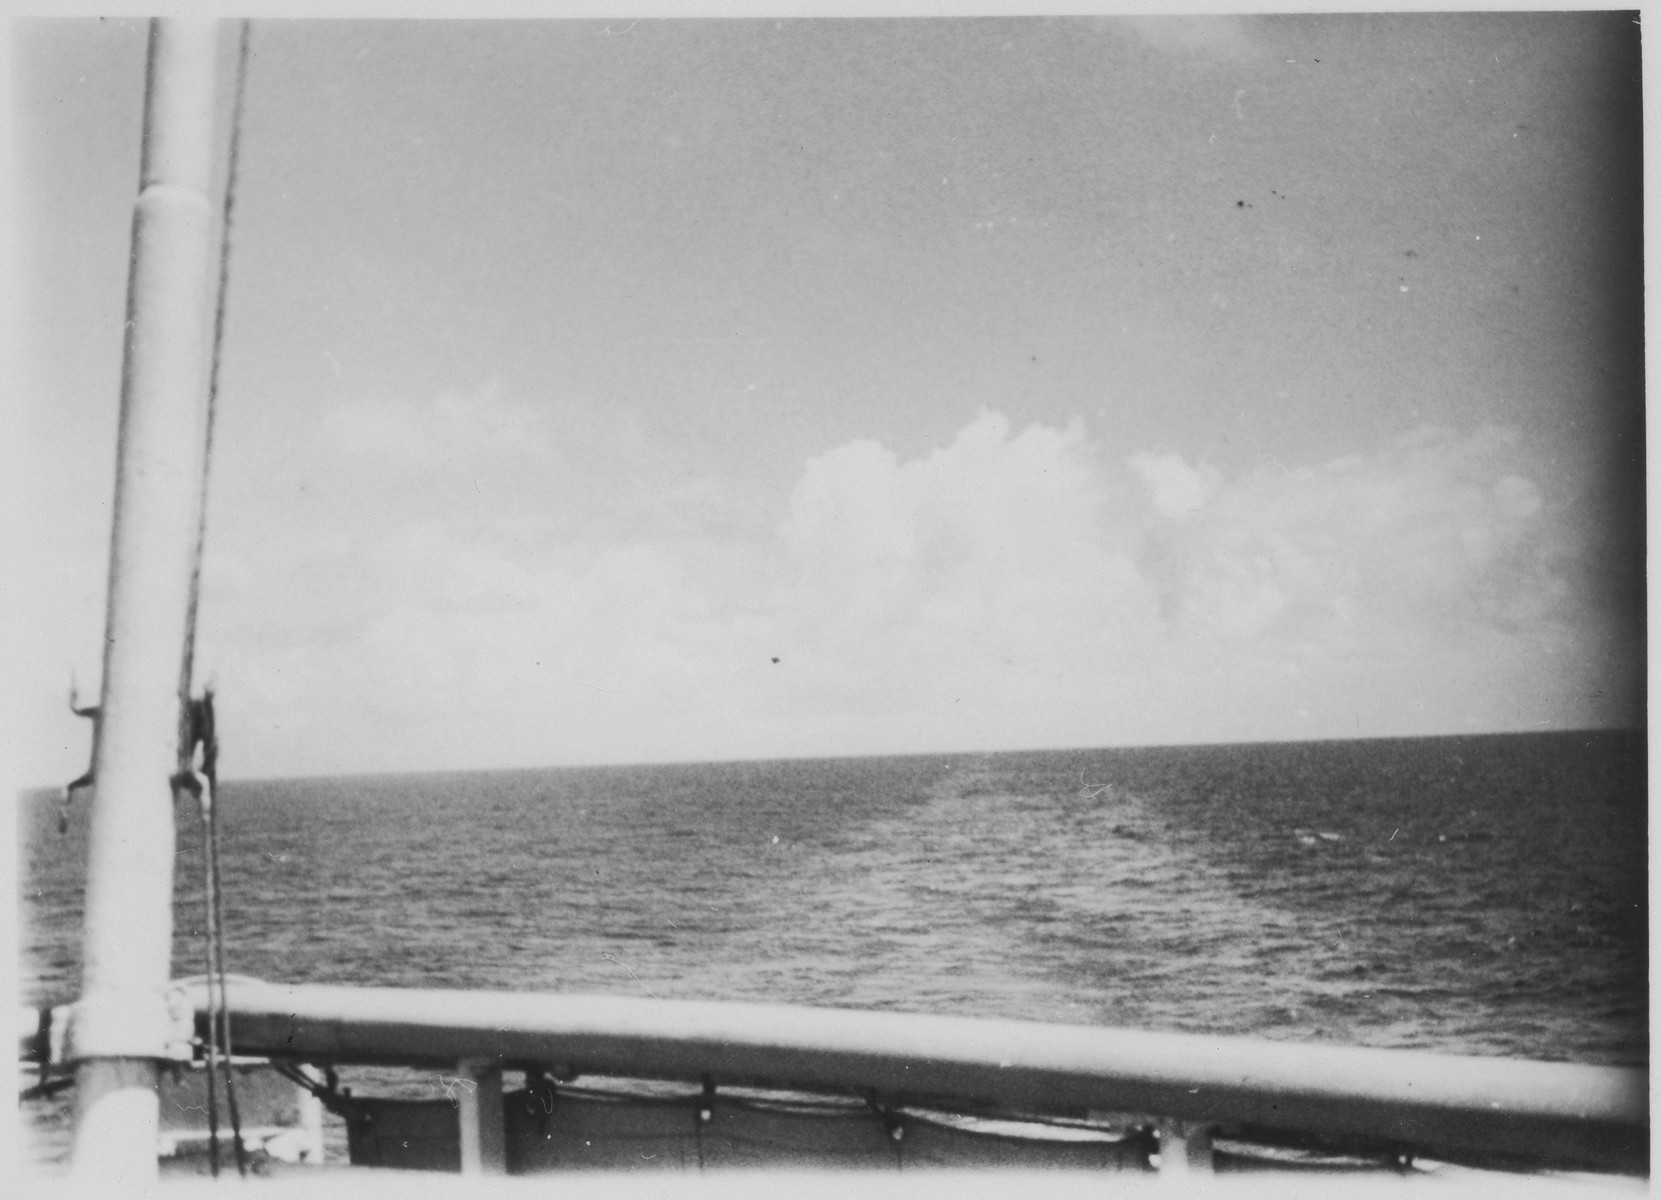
(196,718)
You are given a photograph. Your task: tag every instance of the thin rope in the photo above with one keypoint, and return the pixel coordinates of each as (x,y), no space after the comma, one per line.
(206,798)
(233,159)
(224,1007)
(199,723)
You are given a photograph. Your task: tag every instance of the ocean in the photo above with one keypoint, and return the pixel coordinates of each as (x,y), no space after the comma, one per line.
(1476,895)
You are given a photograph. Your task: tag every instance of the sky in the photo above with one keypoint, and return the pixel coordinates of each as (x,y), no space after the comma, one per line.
(615,391)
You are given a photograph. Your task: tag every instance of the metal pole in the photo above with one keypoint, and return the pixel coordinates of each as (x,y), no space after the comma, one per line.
(120,1028)
(311,1118)
(1185,1149)
(480,1118)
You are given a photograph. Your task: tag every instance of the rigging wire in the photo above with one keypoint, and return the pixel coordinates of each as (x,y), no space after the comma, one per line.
(205,795)
(227,210)
(219,1015)
(196,718)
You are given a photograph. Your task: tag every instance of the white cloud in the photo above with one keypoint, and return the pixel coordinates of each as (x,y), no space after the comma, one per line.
(1432,532)
(1221,37)
(1178,489)
(961,587)
(451,432)
(1003,590)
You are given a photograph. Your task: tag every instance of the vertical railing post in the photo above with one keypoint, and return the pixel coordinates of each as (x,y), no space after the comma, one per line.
(1185,1149)
(120,1028)
(311,1119)
(483,1130)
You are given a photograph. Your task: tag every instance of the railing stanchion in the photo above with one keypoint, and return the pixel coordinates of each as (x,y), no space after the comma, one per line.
(479,1109)
(1185,1149)
(311,1119)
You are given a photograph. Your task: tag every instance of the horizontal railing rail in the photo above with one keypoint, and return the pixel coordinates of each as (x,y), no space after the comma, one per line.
(1490,1111)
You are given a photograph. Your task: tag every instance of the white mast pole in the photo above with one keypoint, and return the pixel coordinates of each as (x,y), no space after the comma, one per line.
(120,1029)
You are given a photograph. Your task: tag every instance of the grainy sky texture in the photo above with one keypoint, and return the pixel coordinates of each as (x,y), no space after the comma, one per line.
(611,391)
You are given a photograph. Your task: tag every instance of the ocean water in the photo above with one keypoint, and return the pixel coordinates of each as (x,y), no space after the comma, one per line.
(1481,895)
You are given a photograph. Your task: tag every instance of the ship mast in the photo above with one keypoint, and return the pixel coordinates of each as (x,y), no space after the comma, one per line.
(120,1028)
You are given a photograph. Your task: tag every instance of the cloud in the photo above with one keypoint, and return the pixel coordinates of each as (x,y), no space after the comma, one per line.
(1427,586)
(977,517)
(1010,588)
(546,468)
(961,584)
(1217,37)
(1177,488)
(451,432)
(1433,534)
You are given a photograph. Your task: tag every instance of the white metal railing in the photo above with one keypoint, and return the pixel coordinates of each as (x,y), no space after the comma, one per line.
(1486,1111)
